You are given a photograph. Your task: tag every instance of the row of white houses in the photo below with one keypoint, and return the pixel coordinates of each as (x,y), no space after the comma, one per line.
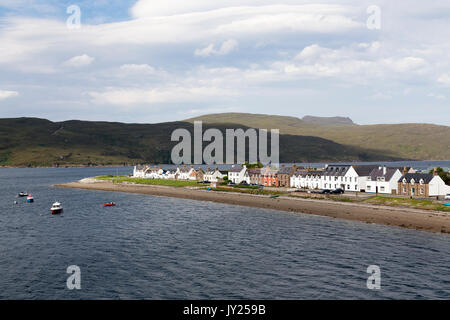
(357,178)
(184,173)
(361,178)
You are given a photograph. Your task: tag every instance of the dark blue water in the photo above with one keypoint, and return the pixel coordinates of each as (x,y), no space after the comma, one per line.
(163,248)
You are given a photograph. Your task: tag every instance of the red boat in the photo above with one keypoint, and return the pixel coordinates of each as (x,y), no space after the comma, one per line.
(110,204)
(56,208)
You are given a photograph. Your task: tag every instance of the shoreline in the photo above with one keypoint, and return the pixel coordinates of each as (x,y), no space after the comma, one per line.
(425,220)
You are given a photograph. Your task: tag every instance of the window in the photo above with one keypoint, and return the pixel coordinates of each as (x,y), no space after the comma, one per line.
(404,189)
(381,188)
(421,191)
(369,188)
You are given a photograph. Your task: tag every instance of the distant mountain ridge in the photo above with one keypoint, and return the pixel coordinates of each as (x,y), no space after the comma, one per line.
(414,141)
(338,121)
(40,142)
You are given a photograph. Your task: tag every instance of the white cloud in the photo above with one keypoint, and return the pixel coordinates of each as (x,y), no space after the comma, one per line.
(226,47)
(270,49)
(444,79)
(169,94)
(5,94)
(138,68)
(79,61)
(436,96)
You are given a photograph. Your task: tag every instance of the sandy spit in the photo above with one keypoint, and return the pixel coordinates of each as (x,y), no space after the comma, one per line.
(425,220)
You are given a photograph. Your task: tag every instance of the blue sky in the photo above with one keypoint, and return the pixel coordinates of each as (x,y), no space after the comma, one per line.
(151,61)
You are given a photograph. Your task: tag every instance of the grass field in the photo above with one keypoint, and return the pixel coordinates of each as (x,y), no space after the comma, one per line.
(159,182)
(412,203)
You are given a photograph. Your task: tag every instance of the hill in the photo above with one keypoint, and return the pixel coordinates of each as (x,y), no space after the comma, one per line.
(329,121)
(40,142)
(409,141)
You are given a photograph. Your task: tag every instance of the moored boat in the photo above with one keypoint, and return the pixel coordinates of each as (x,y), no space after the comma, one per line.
(30,199)
(56,208)
(110,204)
(23,194)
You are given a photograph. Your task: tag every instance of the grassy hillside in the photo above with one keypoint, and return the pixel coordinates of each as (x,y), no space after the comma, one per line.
(38,142)
(409,141)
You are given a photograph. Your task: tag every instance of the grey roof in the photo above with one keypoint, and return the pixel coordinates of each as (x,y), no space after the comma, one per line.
(308,173)
(285,170)
(417,176)
(365,170)
(254,171)
(336,170)
(236,169)
(378,172)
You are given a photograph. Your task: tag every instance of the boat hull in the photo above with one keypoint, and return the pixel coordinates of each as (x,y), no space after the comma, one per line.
(57,211)
(30,200)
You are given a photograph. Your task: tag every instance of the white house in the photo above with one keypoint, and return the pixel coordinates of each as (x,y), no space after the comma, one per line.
(383,180)
(187,173)
(346,177)
(213,175)
(147,172)
(309,179)
(341,176)
(238,174)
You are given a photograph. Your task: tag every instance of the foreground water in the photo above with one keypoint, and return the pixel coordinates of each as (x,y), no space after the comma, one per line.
(163,248)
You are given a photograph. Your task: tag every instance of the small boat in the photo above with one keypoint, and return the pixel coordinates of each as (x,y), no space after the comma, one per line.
(56,208)
(447,204)
(30,199)
(110,204)
(274,197)
(23,194)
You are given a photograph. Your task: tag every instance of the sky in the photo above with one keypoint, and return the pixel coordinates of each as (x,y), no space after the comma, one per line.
(149,61)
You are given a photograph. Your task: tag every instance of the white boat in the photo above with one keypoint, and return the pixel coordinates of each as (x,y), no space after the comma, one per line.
(56,208)
(30,199)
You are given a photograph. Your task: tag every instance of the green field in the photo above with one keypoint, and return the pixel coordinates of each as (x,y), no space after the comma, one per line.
(159,182)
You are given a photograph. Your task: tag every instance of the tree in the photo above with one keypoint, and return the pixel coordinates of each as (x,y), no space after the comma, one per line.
(253,165)
(444,175)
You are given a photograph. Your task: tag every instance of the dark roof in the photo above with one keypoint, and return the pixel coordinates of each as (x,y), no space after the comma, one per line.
(254,171)
(364,170)
(285,170)
(417,176)
(378,172)
(308,172)
(336,170)
(236,169)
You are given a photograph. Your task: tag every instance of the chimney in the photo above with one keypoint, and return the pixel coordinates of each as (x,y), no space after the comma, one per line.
(435,172)
(405,171)
(282,165)
(384,170)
